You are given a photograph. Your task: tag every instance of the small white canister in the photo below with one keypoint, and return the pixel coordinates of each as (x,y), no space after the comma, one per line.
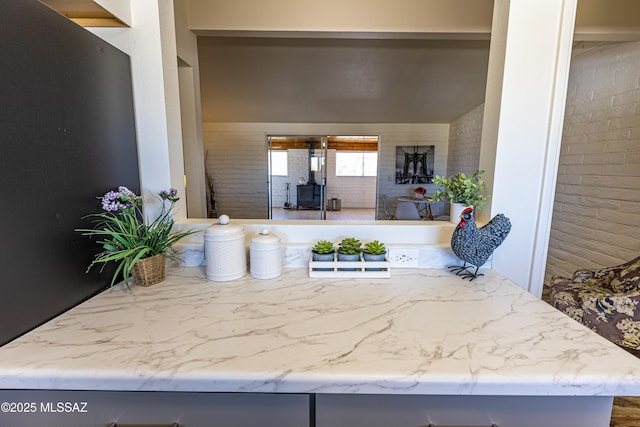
(225,251)
(265,256)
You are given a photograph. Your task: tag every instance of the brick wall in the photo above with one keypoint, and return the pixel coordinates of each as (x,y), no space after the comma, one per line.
(353,191)
(297,166)
(465,134)
(596,218)
(408,135)
(236,160)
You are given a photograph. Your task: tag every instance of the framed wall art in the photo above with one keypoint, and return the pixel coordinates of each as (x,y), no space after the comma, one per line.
(415,164)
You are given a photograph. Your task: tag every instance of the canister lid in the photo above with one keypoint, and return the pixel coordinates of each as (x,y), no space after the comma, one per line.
(224,228)
(265,239)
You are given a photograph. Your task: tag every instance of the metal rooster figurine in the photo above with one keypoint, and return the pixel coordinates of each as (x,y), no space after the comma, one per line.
(475,245)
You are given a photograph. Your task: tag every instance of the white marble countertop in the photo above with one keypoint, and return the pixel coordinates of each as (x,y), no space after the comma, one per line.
(421,332)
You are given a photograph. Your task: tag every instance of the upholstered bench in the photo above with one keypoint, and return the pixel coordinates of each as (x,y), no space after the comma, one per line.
(605,300)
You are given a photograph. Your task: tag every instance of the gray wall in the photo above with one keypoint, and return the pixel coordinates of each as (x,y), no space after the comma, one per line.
(68,136)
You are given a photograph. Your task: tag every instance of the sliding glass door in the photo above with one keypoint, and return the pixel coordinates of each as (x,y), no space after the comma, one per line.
(296,176)
(322,177)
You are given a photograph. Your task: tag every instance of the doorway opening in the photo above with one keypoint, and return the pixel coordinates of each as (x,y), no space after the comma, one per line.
(330,177)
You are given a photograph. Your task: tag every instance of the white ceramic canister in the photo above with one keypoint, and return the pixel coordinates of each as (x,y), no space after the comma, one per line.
(225,251)
(265,256)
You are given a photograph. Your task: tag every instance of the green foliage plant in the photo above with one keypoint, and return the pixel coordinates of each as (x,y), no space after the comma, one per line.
(350,246)
(375,248)
(461,188)
(124,235)
(323,247)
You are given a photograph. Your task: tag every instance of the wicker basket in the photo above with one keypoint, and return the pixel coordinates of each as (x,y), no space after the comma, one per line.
(149,271)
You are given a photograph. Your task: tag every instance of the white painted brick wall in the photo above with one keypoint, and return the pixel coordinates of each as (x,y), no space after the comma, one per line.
(465,135)
(298,166)
(407,135)
(353,192)
(596,219)
(237,161)
(235,158)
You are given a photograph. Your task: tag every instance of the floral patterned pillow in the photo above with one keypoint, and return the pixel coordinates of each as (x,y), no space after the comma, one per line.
(626,279)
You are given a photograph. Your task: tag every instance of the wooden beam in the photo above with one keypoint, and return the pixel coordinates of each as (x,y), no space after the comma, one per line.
(340,143)
(98,22)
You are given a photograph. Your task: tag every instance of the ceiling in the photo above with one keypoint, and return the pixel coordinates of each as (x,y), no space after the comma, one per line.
(332,80)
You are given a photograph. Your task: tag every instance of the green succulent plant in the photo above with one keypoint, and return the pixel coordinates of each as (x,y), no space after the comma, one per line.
(350,246)
(461,188)
(323,247)
(375,248)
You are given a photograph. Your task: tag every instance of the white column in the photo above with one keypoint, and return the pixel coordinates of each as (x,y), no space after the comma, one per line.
(155,83)
(192,145)
(189,80)
(526,98)
(151,44)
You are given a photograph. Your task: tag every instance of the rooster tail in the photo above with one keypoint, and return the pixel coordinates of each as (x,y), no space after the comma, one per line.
(499,227)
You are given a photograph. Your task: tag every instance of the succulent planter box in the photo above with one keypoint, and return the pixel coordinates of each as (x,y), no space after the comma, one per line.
(361,269)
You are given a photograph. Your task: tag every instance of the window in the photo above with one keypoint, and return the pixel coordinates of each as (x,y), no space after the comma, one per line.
(278,163)
(356,163)
(317,163)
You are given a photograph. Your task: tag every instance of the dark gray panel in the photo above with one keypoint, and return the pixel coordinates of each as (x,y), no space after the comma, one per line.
(396,410)
(27,408)
(68,135)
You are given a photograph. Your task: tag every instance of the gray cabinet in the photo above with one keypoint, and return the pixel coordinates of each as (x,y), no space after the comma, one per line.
(333,410)
(30,408)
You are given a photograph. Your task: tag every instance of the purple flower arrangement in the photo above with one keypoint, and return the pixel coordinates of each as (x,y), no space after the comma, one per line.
(115,201)
(126,237)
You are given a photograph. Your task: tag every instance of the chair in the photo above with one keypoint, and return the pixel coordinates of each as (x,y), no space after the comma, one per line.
(386,204)
(605,300)
(407,211)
